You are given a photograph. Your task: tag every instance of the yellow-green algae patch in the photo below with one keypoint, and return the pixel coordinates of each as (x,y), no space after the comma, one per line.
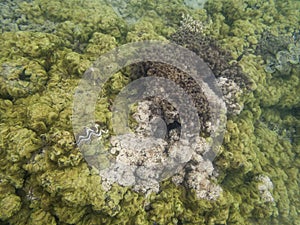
(44,178)
(25,59)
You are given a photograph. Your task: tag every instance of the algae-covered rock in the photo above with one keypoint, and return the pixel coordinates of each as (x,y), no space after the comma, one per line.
(41,217)
(9,205)
(143,30)
(40,116)
(17,145)
(20,78)
(30,45)
(24,70)
(79,18)
(99,44)
(69,64)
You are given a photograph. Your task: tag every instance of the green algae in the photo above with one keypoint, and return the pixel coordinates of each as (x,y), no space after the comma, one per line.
(24,66)
(44,178)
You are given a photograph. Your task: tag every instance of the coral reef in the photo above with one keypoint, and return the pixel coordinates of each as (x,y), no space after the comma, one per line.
(252,47)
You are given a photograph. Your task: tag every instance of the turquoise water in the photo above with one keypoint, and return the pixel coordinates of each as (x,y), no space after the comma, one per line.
(53,171)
